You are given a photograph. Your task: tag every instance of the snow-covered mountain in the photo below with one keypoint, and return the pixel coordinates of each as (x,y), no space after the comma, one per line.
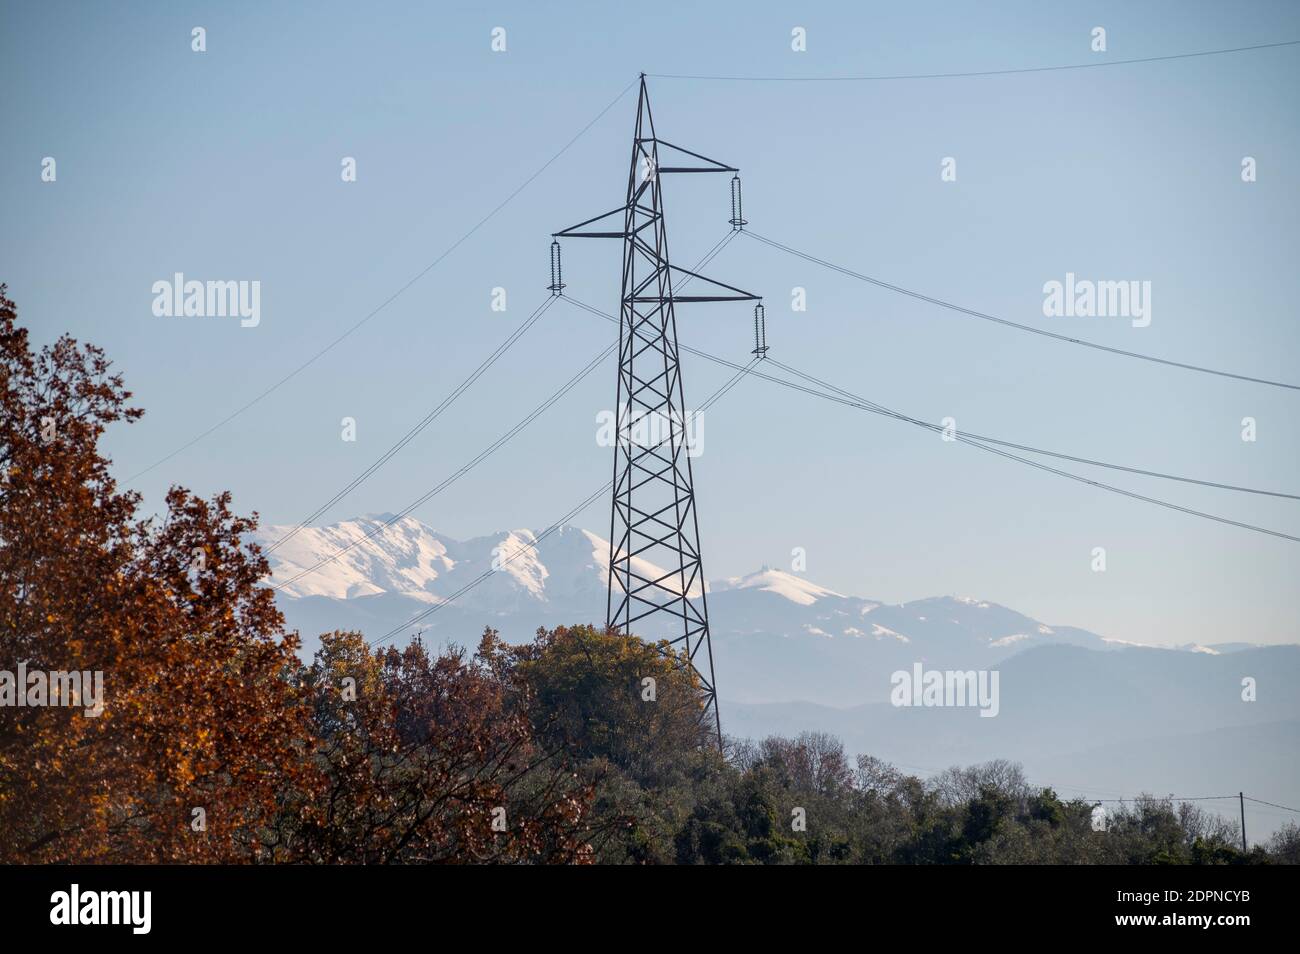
(794,588)
(375,555)
(378,555)
(777,635)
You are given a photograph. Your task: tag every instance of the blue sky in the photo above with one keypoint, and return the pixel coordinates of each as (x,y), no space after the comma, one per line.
(225,165)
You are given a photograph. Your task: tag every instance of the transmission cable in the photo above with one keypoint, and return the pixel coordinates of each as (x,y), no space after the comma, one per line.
(1037,450)
(428,419)
(391,298)
(483,455)
(533,544)
(971,73)
(1271,804)
(875,408)
(865,404)
(466,468)
(1013,324)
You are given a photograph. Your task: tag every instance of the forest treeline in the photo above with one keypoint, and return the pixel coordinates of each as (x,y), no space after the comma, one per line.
(216,743)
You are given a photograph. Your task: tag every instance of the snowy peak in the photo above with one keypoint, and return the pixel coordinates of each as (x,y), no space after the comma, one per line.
(380,554)
(370,556)
(793,588)
(524,575)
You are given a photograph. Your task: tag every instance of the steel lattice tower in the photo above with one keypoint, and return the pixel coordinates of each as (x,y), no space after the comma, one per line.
(654,520)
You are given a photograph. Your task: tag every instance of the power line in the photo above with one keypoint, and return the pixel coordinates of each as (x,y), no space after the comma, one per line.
(419,617)
(1270,812)
(577,509)
(972,73)
(973,442)
(880,409)
(1172,798)
(854,400)
(961,309)
(428,419)
(484,454)
(710,255)
(1272,805)
(387,301)
(1038,450)
(466,468)
(1117,799)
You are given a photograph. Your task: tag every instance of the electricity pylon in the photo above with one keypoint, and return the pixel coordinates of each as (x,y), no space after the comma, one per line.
(656,574)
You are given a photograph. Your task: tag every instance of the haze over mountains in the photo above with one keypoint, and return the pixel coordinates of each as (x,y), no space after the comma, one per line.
(1107,717)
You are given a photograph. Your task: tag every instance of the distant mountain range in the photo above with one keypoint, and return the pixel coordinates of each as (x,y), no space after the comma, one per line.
(778,637)
(1090,715)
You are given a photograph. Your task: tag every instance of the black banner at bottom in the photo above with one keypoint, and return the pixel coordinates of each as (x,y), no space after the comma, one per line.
(206,904)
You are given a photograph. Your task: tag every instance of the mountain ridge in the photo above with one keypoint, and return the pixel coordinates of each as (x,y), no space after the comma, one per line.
(785,631)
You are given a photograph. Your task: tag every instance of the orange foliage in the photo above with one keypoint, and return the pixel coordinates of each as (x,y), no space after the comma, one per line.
(206,705)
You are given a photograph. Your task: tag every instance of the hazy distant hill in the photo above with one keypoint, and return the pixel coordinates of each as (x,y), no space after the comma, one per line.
(1098,724)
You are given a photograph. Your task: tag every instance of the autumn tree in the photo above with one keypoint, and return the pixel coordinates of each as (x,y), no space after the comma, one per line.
(428,759)
(610,695)
(631,713)
(201,719)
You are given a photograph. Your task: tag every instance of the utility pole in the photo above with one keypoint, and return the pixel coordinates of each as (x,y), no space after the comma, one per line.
(1241,797)
(653,520)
